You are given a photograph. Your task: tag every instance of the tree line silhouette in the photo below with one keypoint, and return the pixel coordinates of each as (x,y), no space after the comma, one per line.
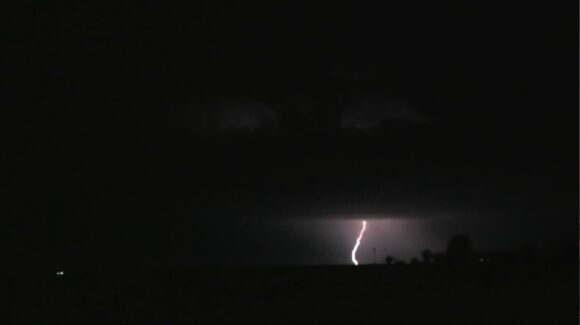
(460,251)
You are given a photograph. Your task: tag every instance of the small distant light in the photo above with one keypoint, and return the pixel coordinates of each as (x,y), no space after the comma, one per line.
(60,273)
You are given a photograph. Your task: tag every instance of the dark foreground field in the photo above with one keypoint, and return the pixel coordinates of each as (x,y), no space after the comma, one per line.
(301,295)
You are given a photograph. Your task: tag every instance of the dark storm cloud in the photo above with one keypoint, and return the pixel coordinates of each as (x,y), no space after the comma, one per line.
(369,110)
(225,114)
(296,113)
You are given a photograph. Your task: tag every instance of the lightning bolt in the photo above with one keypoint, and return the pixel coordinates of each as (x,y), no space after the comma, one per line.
(362,231)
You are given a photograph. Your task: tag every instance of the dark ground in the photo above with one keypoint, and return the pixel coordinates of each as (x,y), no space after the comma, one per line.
(402,294)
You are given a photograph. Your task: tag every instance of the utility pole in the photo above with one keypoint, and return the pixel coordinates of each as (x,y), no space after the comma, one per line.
(374,255)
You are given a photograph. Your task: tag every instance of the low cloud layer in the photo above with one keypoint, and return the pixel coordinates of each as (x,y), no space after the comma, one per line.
(298,114)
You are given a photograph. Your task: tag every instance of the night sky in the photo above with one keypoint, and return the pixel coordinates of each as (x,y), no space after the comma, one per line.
(165,135)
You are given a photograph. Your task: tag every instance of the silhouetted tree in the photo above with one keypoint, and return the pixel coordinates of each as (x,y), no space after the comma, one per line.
(414,261)
(459,249)
(438,258)
(427,256)
(389,260)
